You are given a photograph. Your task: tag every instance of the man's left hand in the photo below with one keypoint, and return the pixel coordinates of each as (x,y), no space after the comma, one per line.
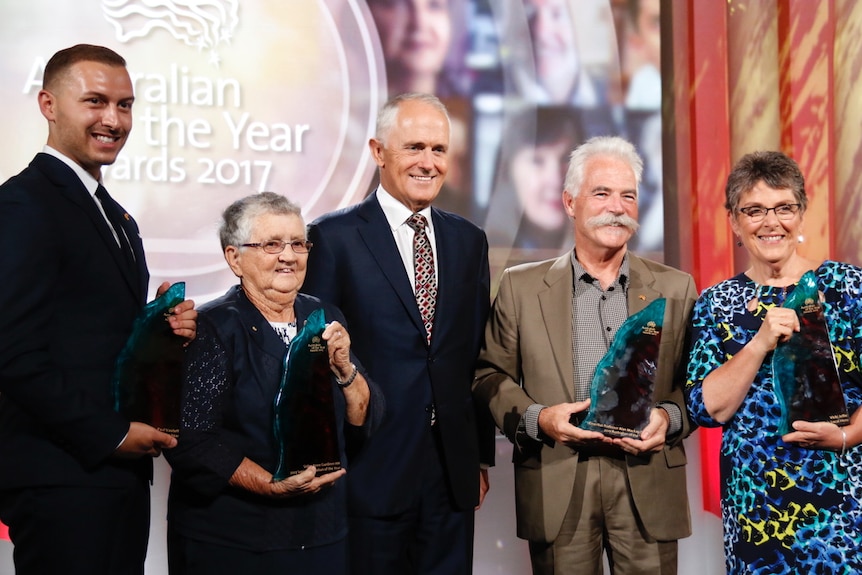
(652,437)
(184,316)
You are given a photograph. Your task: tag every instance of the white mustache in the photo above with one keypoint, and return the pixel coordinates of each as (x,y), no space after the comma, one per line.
(614,220)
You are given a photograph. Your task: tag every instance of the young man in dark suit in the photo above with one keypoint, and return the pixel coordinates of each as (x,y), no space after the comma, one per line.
(74,474)
(414,486)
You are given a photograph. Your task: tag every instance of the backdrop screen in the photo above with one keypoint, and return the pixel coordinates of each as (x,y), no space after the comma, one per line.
(234,98)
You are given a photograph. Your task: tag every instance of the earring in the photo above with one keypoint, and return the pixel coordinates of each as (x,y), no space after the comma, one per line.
(739,243)
(800,238)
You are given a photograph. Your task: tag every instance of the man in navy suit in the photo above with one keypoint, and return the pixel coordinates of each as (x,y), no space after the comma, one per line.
(74,474)
(414,486)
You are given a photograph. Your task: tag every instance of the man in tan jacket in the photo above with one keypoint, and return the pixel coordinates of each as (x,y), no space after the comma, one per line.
(579,493)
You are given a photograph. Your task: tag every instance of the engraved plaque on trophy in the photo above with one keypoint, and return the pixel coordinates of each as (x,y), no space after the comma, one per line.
(806,376)
(304,424)
(148,372)
(622,389)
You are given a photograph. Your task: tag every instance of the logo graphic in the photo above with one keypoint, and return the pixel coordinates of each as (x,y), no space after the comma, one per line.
(202,24)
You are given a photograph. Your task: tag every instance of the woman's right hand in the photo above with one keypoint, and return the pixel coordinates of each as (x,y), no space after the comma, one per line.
(304,483)
(779,323)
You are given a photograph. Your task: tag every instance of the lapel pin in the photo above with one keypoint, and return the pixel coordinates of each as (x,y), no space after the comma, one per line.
(642,297)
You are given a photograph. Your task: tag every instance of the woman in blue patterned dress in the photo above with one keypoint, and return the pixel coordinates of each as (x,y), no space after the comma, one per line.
(791,503)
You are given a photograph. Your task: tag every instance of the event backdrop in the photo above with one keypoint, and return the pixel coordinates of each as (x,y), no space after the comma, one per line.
(237,97)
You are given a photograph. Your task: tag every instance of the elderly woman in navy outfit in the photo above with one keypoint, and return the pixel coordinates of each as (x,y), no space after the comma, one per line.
(225,514)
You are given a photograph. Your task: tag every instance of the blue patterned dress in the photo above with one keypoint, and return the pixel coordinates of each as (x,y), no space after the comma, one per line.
(785,509)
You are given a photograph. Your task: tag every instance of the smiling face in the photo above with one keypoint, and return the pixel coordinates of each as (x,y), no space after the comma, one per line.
(270,280)
(414,34)
(771,240)
(554,49)
(89,113)
(414,160)
(537,174)
(605,209)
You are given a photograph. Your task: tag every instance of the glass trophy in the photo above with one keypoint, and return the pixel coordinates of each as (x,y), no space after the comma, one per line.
(148,372)
(304,422)
(806,376)
(621,393)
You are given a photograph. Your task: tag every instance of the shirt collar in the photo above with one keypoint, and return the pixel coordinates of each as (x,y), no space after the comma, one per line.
(581,274)
(89,181)
(397,213)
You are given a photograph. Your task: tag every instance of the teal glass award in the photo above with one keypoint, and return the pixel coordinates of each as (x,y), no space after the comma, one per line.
(621,393)
(148,372)
(304,422)
(806,376)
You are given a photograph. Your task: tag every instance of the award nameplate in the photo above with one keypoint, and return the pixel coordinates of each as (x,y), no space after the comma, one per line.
(806,376)
(621,395)
(148,372)
(304,423)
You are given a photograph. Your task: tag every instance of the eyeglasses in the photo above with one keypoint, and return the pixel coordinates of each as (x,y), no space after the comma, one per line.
(782,212)
(277,246)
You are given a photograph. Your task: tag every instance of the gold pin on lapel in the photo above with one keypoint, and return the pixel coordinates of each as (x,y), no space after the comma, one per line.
(642,297)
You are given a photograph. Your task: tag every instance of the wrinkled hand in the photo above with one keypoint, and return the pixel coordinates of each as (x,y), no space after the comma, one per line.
(184,317)
(144,440)
(652,437)
(338,344)
(304,483)
(815,435)
(779,323)
(554,422)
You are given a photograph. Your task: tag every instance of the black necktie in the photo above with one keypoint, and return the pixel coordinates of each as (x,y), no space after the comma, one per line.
(115,216)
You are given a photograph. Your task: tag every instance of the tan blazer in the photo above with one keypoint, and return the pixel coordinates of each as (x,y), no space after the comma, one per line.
(527,359)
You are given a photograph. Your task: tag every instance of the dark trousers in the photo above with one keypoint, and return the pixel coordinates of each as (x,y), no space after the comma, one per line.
(191,557)
(78,530)
(430,538)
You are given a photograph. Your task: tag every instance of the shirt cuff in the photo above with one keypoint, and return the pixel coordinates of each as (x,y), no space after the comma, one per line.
(675,414)
(530,421)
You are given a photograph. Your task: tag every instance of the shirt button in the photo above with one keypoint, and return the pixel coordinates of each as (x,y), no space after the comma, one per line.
(607,329)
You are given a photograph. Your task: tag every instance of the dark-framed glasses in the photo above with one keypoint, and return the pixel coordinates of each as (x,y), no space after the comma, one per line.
(782,212)
(277,246)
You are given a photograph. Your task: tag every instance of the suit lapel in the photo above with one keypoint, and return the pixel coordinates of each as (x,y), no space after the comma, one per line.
(446,241)
(376,234)
(641,292)
(556,305)
(71,187)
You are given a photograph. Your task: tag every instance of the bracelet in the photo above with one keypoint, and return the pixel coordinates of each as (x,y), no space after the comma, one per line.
(343,384)
(843,442)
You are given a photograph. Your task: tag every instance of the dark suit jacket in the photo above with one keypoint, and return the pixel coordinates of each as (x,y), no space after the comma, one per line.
(233,371)
(527,359)
(356,266)
(68,301)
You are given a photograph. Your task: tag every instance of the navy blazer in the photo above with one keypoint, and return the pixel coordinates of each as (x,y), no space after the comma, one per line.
(355,264)
(68,301)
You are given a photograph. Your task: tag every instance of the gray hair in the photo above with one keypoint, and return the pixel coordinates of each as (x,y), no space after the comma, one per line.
(389,112)
(237,220)
(600,146)
(775,169)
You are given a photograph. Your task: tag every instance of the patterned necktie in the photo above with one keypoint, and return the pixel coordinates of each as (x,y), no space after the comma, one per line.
(115,216)
(423,266)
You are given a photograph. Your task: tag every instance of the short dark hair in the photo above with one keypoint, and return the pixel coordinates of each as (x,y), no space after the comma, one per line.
(65,59)
(775,169)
